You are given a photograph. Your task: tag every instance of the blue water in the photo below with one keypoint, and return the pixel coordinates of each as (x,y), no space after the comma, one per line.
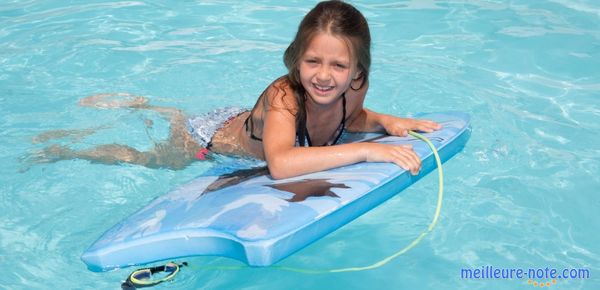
(522,194)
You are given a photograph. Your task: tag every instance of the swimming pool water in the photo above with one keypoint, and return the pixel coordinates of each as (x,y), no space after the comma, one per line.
(522,194)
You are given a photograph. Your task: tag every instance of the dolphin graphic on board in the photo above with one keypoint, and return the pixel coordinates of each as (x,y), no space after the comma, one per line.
(306,188)
(301,189)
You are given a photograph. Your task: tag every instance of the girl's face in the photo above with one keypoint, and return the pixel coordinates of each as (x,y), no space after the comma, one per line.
(326,70)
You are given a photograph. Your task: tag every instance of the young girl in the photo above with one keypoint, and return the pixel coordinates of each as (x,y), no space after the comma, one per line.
(298,120)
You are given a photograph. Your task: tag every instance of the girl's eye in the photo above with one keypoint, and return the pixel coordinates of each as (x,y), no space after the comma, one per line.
(310,61)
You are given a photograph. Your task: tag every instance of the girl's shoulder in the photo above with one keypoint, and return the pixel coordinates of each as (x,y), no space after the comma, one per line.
(280,95)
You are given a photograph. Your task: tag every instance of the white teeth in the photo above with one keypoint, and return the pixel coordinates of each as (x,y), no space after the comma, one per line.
(323,88)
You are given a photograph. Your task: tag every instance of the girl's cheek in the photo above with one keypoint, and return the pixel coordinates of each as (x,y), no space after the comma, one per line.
(346,77)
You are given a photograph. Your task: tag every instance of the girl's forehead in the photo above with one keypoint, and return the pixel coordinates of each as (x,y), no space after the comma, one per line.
(330,45)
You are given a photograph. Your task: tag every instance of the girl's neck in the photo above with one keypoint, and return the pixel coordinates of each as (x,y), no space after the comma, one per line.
(316,108)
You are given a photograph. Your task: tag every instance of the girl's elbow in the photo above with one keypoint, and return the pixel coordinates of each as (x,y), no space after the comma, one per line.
(277,168)
(277,176)
(277,171)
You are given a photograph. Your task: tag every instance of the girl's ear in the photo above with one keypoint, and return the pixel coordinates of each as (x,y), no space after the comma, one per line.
(357,75)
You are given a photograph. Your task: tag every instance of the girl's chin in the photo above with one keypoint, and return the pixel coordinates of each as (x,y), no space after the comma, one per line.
(323,95)
(323,99)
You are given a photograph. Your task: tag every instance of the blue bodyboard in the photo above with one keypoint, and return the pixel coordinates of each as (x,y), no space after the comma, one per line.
(248,216)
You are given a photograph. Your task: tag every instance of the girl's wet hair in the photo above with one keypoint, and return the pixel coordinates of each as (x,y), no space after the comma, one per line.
(338,19)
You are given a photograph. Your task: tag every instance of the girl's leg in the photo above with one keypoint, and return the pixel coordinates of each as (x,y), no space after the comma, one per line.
(179,136)
(105,154)
(113,100)
(74,134)
(125,100)
(161,156)
(177,152)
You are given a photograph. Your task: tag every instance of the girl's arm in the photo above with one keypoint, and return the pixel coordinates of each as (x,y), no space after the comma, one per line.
(369,121)
(285,160)
(364,120)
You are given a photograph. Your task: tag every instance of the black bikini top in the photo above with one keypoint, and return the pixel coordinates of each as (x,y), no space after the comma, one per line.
(249,124)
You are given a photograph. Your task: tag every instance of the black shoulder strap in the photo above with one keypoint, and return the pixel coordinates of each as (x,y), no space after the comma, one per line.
(343,122)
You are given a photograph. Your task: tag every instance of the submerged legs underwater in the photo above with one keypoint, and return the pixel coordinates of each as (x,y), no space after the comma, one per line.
(177,152)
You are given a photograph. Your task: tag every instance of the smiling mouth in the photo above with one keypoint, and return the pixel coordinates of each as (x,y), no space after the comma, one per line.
(323,89)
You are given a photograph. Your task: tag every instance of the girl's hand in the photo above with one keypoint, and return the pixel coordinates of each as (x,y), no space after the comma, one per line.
(401,155)
(400,126)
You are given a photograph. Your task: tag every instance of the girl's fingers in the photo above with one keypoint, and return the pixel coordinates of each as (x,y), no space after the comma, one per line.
(428,126)
(401,128)
(401,132)
(433,125)
(425,129)
(408,151)
(416,161)
(402,161)
(408,160)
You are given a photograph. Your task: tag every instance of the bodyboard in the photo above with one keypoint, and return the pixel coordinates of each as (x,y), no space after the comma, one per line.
(248,216)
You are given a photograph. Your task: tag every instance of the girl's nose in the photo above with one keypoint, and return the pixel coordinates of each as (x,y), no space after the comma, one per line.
(324,74)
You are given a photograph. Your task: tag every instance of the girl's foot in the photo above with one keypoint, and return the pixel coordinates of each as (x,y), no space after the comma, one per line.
(49,154)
